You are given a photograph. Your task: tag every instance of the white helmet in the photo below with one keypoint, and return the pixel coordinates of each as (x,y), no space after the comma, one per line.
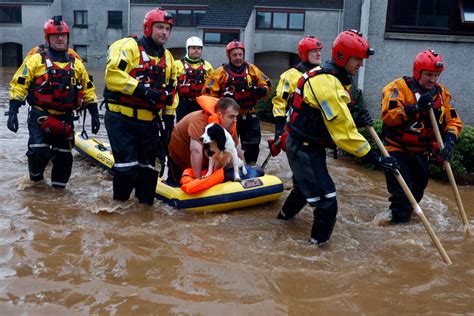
(193,41)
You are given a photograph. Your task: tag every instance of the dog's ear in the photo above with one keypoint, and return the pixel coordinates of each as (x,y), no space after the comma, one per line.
(220,138)
(216,133)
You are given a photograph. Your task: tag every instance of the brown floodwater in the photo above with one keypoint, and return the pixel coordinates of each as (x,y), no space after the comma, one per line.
(76,251)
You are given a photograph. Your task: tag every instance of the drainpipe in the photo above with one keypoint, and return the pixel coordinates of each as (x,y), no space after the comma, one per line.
(340,20)
(364,28)
(128,18)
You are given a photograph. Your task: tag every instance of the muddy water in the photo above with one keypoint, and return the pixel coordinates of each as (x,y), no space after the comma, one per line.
(77,251)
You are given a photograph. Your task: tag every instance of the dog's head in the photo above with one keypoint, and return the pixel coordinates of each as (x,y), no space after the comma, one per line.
(214,133)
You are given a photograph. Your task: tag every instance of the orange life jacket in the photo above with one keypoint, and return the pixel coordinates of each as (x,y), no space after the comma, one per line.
(242,86)
(208,104)
(191,185)
(191,82)
(57,88)
(416,135)
(153,76)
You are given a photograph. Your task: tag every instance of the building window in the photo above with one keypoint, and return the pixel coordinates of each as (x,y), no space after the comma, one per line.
(198,15)
(115,20)
(280,20)
(80,19)
(264,20)
(81,50)
(186,17)
(430,16)
(467,12)
(216,37)
(10,14)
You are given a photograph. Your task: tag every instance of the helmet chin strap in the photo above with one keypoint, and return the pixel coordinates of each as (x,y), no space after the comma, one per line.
(195,60)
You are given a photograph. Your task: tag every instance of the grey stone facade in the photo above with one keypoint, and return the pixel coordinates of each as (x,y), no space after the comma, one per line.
(394,59)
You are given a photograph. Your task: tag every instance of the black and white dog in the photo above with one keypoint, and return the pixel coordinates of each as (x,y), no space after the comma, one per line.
(221,150)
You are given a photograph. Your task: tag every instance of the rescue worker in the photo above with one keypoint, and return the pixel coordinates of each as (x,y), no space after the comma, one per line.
(309,52)
(192,72)
(407,130)
(54,82)
(186,150)
(319,118)
(140,83)
(245,83)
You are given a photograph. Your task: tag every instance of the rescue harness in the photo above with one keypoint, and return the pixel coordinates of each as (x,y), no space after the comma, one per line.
(152,75)
(241,85)
(191,82)
(416,134)
(306,123)
(57,88)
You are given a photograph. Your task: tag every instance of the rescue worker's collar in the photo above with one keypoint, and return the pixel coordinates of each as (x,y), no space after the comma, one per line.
(238,70)
(192,61)
(151,48)
(339,72)
(420,89)
(54,55)
(305,66)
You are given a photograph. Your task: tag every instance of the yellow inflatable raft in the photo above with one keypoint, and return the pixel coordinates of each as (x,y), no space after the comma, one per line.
(222,197)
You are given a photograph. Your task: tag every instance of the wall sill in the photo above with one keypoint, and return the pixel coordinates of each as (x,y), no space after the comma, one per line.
(429,37)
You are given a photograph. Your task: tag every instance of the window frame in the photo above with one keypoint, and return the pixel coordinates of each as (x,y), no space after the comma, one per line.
(220,32)
(454,26)
(110,26)
(288,12)
(194,20)
(12,7)
(461,12)
(82,25)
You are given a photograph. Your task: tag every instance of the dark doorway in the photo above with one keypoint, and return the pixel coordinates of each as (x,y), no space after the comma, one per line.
(293,60)
(11,54)
(177,52)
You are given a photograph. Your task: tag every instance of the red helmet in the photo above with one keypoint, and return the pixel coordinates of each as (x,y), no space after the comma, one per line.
(306,44)
(233,45)
(427,60)
(154,16)
(348,44)
(55,25)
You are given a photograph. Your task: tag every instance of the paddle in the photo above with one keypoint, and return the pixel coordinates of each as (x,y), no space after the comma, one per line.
(449,171)
(411,198)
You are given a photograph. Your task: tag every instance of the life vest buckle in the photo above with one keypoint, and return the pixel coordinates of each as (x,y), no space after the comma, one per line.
(249,81)
(417,127)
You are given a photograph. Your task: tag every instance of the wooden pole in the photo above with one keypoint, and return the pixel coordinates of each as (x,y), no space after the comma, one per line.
(449,171)
(411,198)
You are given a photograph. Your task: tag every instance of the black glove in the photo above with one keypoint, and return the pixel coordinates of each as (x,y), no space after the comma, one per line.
(411,110)
(386,163)
(261,92)
(95,120)
(168,121)
(279,126)
(12,123)
(449,142)
(147,93)
(362,118)
(425,102)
